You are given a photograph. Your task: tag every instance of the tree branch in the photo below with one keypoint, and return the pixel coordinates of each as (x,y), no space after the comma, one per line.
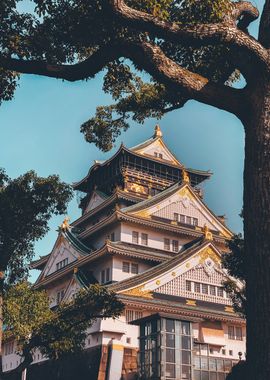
(264,28)
(245,13)
(82,70)
(225,32)
(193,86)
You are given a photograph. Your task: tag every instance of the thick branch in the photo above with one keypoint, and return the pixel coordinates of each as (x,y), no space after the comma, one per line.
(196,35)
(193,86)
(245,12)
(83,70)
(264,29)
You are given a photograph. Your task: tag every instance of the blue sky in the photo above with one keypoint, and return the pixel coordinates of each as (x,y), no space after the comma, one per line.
(39,130)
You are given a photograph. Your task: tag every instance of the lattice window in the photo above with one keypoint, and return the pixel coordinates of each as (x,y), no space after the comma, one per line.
(132,315)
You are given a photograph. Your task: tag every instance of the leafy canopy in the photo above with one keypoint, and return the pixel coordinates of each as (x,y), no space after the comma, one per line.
(68,31)
(26,205)
(28,317)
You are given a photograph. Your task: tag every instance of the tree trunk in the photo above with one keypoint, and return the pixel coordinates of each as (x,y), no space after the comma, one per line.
(1,315)
(257,231)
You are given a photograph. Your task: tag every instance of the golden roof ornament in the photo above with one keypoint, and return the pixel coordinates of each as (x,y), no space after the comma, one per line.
(158,132)
(207,234)
(65,225)
(185,176)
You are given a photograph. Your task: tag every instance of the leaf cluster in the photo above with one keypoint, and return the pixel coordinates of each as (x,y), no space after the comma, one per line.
(26,205)
(68,31)
(59,331)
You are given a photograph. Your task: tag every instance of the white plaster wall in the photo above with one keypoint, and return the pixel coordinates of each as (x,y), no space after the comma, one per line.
(119,275)
(106,263)
(155,238)
(99,239)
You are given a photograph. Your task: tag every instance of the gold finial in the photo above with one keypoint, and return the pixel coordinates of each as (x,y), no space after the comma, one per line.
(207,234)
(158,132)
(75,270)
(185,176)
(65,225)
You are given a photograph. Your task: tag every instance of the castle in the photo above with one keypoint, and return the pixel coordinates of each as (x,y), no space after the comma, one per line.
(145,233)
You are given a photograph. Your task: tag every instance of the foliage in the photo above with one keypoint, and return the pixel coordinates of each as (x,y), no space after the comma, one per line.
(234,263)
(58,332)
(69,31)
(26,203)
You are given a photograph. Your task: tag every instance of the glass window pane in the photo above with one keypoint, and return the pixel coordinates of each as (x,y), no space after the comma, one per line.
(204,375)
(220,366)
(185,328)
(212,364)
(227,365)
(196,348)
(170,325)
(197,375)
(170,355)
(196,362)
(204,349)
(170,370)
(186,344)
(186,372)
(170,340)
(213,376)
(186,357)
(220,376)
(204,363)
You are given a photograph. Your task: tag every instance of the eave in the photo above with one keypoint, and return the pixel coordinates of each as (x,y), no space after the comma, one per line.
(187,311)
(110,248)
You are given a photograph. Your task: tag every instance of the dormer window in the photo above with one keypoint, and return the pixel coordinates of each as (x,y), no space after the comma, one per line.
(160,155)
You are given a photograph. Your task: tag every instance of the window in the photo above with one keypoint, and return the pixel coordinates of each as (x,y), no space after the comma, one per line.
(235,333)
(223,351)
(107,274)
(135,237)
(204,288)
(128,340)
(197,287)
(175,245)
(231,352)
(188,286)
(220,292)
(134,268)
(238,333)
(188,220)
(160,155)
(175,217)
(195,222)
(125,267)
(61,264)
(132,315)
(9,348)
(182,218)
(60,296)
(144,239)
(155,154)
(112,236)
(103,276)
(212,289)
(166,244)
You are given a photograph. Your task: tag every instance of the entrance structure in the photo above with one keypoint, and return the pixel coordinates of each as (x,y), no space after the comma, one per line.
(146,233)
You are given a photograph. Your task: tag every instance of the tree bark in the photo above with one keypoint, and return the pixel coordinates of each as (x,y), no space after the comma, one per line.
(257,230)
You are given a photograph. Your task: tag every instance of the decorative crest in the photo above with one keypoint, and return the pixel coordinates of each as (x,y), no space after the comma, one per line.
(65,225)
(185,176)
(158,132)
(207,234)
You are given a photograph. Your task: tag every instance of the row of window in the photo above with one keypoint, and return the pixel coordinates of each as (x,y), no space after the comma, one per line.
(198,287)
(135,238)
(61,264)
(128,267)
(132,315)
(185,219)
(235,333)
(105,276)
(168,244)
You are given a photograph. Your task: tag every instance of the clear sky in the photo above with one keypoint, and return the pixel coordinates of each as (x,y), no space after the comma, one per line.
(39,130)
